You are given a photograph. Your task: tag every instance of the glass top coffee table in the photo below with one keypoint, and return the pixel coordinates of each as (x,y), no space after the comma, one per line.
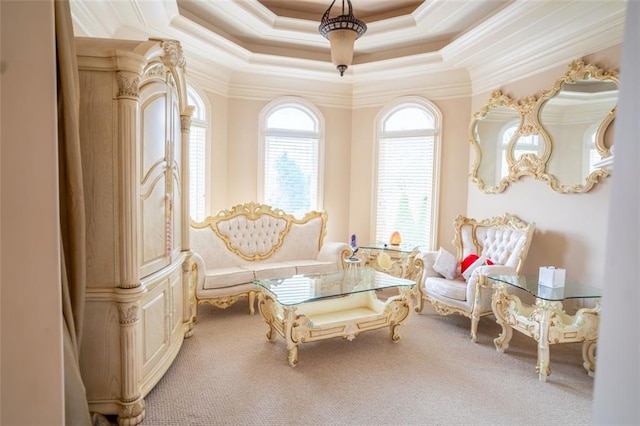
(307,308)
(546,320)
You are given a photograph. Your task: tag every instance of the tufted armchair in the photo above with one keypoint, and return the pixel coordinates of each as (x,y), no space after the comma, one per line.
(504,240)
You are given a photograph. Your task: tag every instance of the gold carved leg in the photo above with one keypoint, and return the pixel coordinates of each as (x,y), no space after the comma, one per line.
(292,345)
(543,368)
(419,298)
(475,315)
(588,355)
(398,309)
(499,304)
(267,310)
(395,336)
(252,302)
(474,326)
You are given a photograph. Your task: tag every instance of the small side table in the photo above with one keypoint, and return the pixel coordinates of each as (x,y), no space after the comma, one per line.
(546,322)
(402,259)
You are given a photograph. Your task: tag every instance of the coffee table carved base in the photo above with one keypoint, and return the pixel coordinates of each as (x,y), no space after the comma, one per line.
(344,317)
(547,323)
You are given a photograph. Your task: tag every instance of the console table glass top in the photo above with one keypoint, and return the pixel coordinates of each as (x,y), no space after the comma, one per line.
(307,288)
(530,284)
(400,248)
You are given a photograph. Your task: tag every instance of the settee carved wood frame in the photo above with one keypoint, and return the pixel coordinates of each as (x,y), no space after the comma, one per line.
(253,211)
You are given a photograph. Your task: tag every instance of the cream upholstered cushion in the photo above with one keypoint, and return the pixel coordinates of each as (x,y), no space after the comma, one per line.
(306,267)
(453,289)
(264,270)
(446,264)
(225,277)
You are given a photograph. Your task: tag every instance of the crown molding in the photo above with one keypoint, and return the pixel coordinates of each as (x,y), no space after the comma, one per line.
(482,58)
(492,59)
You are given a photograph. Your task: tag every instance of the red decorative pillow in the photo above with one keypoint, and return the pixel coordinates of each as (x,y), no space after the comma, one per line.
(468,261)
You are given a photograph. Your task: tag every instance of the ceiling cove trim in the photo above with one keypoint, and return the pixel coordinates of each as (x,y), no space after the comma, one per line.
(214,44)
(381,97)
(486,45)
(216,82)
(89,26)
(268,93)
(486,77)
(260,21)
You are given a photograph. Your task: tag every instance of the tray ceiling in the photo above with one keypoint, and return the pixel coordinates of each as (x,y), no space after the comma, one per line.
(488,39)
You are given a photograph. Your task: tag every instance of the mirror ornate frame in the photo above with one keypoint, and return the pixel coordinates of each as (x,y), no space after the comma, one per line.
(555,137)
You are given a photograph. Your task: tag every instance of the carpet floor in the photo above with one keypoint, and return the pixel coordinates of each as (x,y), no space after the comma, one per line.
(228,373)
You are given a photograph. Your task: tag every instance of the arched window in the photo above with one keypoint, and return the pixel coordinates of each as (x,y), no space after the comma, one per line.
(291,156)
(197,157)
(407,161)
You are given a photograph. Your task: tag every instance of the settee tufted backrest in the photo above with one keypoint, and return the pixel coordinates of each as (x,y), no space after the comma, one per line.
(503,239)
(255,231)
(252,237)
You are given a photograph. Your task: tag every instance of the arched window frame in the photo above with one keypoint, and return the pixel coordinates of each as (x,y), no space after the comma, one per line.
(199,168)
(318,134)
(381,118)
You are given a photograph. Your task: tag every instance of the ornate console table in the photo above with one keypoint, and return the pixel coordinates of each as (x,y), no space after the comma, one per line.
(395,260)
(546,321)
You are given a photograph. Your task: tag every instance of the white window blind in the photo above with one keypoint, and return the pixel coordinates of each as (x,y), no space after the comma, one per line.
(405,187)
(405,190)
(290,169)
(197,157)
(291,173)
(197,166)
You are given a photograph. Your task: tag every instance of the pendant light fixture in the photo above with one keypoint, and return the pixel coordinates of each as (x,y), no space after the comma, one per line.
(342,32)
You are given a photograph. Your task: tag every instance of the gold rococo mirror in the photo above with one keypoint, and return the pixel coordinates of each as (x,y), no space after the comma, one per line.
(556,137)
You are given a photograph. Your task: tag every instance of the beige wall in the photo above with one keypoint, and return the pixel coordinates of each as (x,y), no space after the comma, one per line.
(453,168)
(570,228)
(31,316)
(348,163)
(218,151)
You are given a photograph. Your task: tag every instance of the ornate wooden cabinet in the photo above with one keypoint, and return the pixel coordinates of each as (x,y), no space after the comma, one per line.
(134,123)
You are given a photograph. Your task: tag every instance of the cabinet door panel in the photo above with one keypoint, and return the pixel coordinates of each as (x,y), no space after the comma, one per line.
(176,302)
(155,205)
(155,339)
(153,112)
(154,227)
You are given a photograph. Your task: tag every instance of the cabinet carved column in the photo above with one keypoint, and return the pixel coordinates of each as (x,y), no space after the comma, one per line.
(134,132)
(132,403)
(127,110)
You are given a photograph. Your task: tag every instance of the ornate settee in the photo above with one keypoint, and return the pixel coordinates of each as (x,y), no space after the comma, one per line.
(254,241)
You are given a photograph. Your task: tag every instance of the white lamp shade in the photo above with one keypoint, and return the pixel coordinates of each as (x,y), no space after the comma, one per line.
(342,42)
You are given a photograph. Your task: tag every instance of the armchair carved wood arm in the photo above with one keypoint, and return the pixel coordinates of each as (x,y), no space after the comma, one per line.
(504,240)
